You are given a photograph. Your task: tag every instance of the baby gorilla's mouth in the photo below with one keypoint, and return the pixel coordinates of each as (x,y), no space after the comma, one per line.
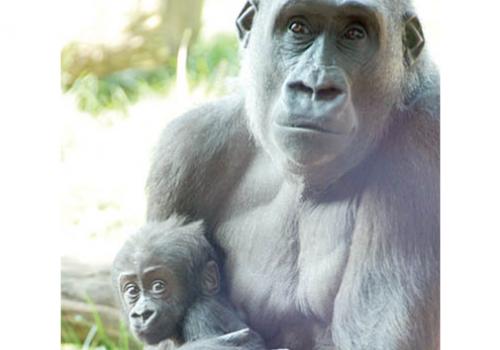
(149,335)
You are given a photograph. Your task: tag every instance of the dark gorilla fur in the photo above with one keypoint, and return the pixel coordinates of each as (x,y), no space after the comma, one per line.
(191,308)
(319,181)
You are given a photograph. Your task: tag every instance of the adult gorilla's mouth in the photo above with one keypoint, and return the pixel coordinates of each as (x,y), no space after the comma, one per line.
(308,126)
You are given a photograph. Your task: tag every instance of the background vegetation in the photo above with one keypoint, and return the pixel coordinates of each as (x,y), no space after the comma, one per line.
(128,67)
(209,62)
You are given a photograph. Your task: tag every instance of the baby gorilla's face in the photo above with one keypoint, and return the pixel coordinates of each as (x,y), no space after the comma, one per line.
(153,300)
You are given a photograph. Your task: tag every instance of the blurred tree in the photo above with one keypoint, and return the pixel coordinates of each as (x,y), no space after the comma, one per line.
(150,39)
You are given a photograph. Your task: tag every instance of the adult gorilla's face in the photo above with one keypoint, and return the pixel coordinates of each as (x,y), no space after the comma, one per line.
(321,80)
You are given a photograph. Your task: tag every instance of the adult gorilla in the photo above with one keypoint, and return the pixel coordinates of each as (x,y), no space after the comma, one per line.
(320,181)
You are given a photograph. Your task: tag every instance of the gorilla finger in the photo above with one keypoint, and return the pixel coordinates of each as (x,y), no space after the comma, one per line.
(237,337)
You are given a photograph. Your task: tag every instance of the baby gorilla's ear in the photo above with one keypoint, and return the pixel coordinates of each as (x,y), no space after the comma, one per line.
(210,279)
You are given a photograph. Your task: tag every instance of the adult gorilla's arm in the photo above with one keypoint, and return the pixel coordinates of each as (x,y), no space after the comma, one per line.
(243,339)
(389,296)
(197,161)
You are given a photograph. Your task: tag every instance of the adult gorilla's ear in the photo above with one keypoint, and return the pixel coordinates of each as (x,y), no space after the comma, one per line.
(210,279)
(413,38)
(245,19)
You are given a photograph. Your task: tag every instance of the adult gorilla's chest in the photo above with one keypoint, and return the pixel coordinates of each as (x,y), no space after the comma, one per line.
(285,257)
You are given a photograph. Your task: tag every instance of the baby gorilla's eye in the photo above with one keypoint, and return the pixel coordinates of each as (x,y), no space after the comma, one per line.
(158,287)
(131,291)
(355,32)
(299,27)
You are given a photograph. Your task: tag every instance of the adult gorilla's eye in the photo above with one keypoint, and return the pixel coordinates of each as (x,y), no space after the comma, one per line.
(355,32)
(158,287)
(299,27)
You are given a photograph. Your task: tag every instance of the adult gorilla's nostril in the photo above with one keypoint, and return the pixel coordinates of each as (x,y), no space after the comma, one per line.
(328,93)
(299,86)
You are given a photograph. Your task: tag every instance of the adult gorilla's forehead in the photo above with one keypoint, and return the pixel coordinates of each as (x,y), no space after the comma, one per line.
(384,11)
(328,3)
(326,7)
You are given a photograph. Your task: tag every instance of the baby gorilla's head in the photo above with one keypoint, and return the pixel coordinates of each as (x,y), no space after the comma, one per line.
(159,273)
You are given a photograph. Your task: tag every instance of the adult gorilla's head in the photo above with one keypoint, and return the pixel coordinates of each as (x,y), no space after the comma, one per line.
(324,76)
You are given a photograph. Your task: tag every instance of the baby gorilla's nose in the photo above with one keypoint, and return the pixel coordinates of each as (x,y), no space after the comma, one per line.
(145,315)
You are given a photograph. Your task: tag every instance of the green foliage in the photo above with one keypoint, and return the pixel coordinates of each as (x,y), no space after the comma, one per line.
(123,339)
(209,62)
(68,334)
(212,61)
(118,90)
(97,338)
(101,337)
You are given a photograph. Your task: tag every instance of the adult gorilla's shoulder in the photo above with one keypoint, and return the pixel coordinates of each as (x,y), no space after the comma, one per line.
(194,149)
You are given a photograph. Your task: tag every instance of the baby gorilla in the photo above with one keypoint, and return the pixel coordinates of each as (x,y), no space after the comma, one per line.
(168,282)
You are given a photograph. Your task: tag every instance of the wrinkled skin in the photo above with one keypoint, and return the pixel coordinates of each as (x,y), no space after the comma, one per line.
(320,180)
(325,113)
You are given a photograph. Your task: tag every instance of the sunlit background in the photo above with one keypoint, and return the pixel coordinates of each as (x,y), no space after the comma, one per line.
(127,68)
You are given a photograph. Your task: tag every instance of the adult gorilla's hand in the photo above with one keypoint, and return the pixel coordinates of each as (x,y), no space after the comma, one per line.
(243,339)
(164,345)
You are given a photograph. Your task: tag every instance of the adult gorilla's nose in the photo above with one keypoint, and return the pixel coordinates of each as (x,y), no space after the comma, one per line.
(316,96)
(321,91)
(316,90)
